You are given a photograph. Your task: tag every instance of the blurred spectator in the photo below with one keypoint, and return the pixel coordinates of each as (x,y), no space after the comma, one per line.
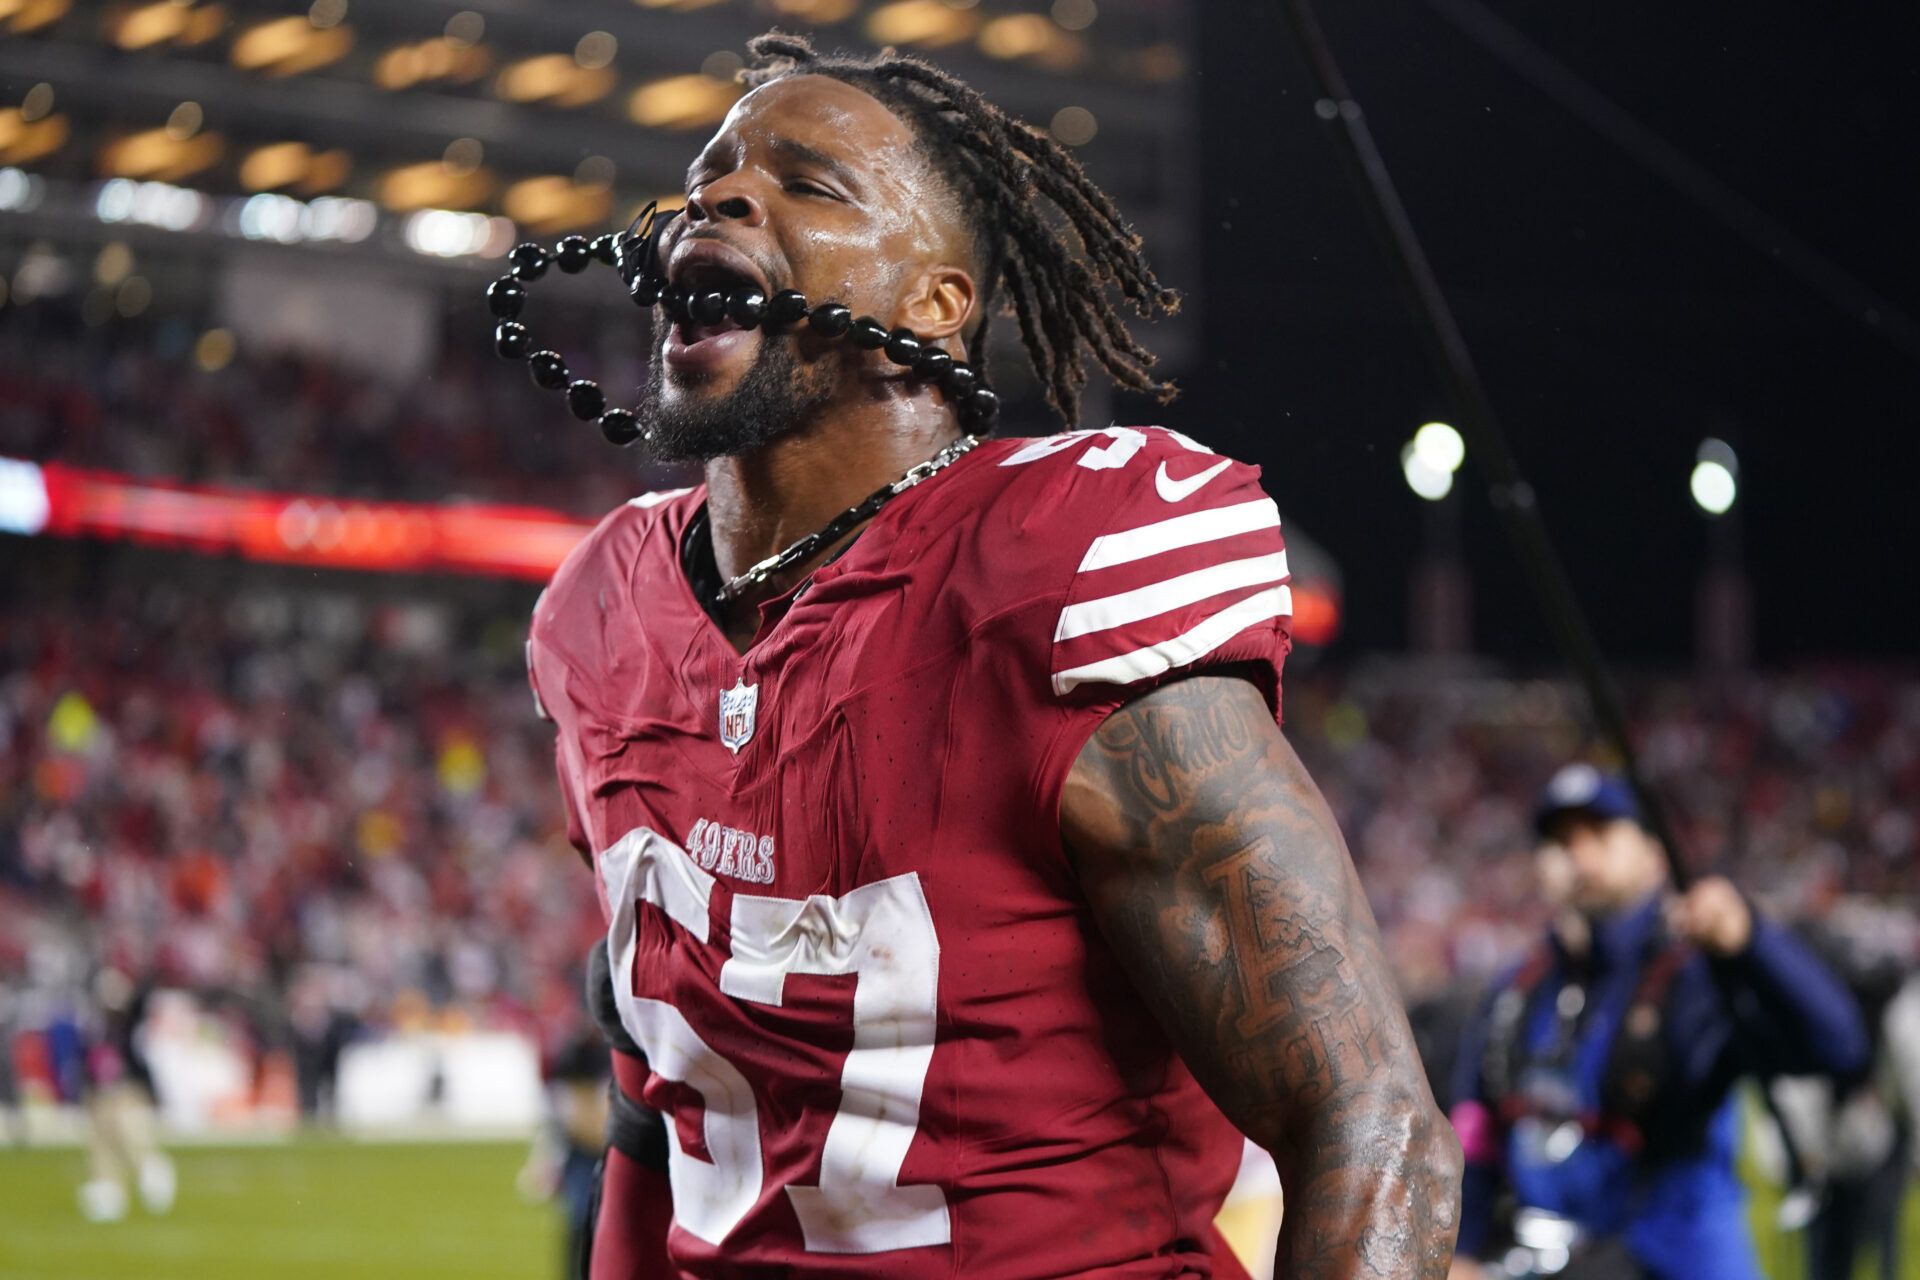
(563,1165)
(321,1021)
(1855,1137)
(129,399)
(1805,782)
(1594,1090)
(335,812)
(123,1147)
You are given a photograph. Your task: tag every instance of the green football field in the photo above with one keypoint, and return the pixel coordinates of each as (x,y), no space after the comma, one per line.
(314,1208)
(1783,1255)
(327,1207)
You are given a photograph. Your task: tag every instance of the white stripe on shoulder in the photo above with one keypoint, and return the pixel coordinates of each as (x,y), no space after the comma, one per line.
(654,499)
(1156,598)
(1158,659)
(1181,531)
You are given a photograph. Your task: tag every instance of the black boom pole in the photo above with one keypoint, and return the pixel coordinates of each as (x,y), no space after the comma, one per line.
(1514,500)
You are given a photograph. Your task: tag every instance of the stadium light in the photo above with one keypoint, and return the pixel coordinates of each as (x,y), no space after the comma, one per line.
(922,22)
(554,203)
(434,184)
(824,11)
(447,57)
(292,45)
(1031,36)
(681,102)
(273,217)
(1018,35)
(294,164)
(159,156)
(1430,459)
(1716,477)
(1440,447)
(1430,482)
(153,204)
(23,16)
(449,233)
(165,22)
(20,192)
(25,137)
(23,497)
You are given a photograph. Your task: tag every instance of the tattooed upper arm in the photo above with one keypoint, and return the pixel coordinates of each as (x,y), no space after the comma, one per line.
(1215,869)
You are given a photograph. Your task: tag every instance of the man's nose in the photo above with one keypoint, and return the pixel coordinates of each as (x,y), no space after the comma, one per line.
(727,200)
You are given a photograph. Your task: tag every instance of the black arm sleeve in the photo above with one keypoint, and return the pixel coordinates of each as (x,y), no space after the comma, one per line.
(633,1128)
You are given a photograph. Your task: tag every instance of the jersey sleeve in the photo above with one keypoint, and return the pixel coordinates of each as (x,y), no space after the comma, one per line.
(576,831)
(1171,562)
(1155,559)
(568,652)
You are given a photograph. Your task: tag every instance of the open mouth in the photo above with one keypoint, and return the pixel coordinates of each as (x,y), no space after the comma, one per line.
(715,281)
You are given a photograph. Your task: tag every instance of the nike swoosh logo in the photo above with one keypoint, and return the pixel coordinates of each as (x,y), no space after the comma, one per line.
(1171,490)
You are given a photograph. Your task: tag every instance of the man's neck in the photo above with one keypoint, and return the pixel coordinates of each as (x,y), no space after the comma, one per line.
(762,502)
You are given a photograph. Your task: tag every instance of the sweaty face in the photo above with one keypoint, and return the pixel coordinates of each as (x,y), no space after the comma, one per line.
(811,184)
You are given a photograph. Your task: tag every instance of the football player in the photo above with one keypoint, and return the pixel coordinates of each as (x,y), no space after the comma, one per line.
(964,896)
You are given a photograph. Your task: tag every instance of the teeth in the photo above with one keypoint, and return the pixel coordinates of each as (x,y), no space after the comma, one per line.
(692,331)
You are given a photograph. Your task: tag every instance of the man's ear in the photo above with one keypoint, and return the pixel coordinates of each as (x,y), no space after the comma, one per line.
(941,304)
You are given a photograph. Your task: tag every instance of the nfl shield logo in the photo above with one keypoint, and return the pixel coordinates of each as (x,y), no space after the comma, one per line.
(736,714)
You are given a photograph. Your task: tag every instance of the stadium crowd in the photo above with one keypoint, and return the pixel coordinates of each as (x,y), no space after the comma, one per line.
(334,809)
(322,815)
(1804,786)
(134,399)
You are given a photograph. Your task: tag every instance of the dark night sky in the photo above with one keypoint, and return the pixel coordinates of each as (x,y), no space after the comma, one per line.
(1615,323)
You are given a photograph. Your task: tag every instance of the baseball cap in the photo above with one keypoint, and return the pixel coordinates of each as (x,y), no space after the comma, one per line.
(1584,789)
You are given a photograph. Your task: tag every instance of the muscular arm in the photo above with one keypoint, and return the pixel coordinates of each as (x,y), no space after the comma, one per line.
(1216,871)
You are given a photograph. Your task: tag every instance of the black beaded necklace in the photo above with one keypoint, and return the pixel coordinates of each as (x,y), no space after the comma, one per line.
(842,524)
(636,255)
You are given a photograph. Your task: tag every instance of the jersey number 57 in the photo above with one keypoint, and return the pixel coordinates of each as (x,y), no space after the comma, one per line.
(882,934)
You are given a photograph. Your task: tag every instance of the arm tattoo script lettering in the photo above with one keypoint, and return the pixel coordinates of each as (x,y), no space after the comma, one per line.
(1218,875)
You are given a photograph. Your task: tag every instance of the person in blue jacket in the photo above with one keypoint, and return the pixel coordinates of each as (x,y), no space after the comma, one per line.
(1592,1092)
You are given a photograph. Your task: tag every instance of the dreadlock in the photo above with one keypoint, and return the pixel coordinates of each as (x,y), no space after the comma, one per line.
(1058,295)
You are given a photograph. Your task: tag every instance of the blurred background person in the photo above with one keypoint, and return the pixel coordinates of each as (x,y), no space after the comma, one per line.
(562,1164)
(123,1145)
(1593,1098)
(319,1028)
(1853,1136)
(12,1127)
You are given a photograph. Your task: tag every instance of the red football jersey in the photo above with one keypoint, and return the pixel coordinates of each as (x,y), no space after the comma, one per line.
(886,1033)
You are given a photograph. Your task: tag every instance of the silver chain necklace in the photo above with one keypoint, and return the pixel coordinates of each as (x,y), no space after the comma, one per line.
(734,588)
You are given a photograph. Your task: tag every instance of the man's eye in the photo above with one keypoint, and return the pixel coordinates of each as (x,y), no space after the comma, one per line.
(800,186)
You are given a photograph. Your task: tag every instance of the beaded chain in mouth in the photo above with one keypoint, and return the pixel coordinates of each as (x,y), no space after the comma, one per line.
(636,255)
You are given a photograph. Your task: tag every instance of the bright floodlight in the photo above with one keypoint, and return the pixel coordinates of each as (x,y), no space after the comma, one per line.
(1430,482)
(23,497)
(1440,447)
(1716,477)
(1713,488)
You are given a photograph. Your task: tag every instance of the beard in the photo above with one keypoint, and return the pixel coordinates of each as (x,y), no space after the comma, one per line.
(776,396)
